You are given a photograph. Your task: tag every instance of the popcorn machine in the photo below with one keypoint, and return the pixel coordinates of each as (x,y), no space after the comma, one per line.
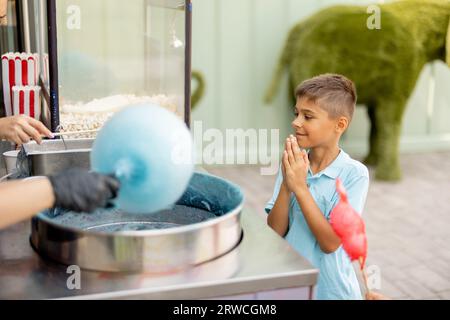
(88,60)
(96,57)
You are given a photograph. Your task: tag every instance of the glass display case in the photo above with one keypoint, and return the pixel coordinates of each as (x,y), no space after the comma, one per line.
(97,57)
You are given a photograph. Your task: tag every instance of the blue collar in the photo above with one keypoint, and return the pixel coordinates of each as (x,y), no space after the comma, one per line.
(334,169)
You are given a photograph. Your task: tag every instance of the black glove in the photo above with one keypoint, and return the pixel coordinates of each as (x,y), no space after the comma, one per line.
(82,191)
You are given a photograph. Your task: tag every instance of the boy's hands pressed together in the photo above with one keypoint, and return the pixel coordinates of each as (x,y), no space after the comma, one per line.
(295,170)
(278,218)
(295,166)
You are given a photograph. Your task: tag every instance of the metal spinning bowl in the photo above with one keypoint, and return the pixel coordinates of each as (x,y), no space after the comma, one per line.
(204,224)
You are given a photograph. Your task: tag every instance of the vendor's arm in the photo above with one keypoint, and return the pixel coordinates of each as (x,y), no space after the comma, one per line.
(21,129)
(296,165)
(75,189)
(20,200)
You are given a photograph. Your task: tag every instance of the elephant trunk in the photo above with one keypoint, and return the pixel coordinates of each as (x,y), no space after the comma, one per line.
(199,91)
(447,43)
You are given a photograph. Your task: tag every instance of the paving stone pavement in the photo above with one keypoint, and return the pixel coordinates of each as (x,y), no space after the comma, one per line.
(407,222)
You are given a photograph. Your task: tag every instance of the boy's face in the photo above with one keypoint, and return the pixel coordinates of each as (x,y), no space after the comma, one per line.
(312,125)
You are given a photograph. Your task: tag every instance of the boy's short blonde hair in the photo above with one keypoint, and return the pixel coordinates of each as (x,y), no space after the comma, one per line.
(334,93)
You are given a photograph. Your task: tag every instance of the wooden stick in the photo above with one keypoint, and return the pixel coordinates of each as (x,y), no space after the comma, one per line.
(57,134)
(363,271)
(364,275)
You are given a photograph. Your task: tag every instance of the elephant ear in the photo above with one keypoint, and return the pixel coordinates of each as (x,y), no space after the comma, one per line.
(447,46)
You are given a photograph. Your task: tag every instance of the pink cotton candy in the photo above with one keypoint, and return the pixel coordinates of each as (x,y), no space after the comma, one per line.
(350,227)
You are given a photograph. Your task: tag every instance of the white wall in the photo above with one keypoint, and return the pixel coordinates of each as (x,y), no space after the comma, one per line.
(236,44)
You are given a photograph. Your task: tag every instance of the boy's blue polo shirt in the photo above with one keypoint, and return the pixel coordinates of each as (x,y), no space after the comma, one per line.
(337,278)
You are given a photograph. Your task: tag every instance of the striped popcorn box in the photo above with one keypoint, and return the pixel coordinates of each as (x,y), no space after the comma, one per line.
(18,69)
(27,100)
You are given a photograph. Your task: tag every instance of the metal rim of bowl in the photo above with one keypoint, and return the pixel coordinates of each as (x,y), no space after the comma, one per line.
(144,233)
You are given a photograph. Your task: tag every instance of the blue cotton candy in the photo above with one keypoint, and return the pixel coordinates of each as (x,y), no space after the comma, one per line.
(150,150)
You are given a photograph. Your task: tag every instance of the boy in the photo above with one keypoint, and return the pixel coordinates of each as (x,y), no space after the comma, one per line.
(305,189)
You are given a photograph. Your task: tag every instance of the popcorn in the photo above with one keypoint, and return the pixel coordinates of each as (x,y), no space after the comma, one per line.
(94,114)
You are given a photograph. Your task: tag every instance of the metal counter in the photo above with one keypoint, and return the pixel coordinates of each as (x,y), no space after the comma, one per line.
(261,262)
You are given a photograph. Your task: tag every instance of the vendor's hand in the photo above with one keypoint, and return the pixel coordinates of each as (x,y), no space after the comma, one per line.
(82,191)
(21,129)
(295,165)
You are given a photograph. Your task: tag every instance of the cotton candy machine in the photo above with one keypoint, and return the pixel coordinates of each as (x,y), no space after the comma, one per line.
(203,225)
(156,68)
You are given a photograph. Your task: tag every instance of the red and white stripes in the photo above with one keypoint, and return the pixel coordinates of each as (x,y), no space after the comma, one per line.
(26,100)
(22,70)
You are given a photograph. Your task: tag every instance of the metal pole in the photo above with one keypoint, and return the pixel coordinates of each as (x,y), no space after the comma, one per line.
(53,64)
(19,27)
(188,62)
(26,26)
(41,40)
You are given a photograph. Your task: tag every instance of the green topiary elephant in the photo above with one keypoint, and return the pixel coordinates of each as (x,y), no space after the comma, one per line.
(384,63)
